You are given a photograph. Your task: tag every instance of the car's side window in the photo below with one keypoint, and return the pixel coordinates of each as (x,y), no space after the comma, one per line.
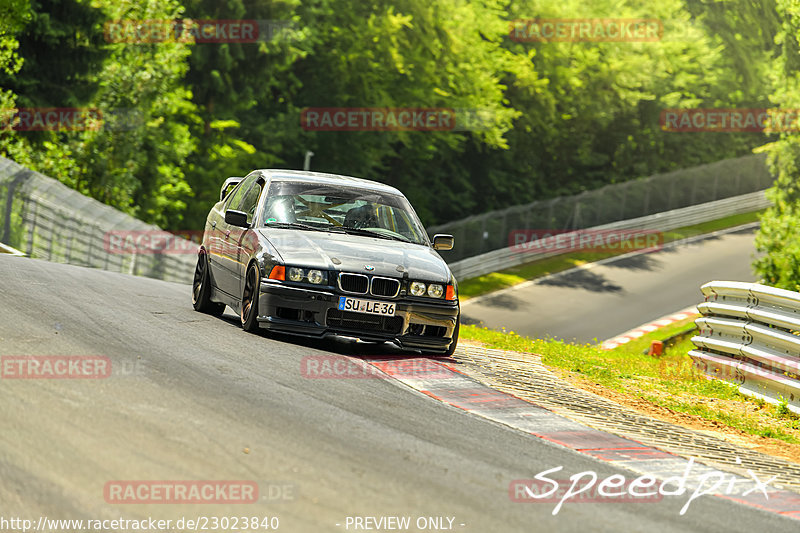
(249,201)
(236,197)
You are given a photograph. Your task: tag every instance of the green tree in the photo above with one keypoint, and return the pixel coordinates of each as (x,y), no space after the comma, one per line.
(778,237)
(137,161)
(14,14)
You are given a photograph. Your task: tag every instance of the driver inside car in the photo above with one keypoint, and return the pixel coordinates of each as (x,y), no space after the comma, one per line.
(362,217)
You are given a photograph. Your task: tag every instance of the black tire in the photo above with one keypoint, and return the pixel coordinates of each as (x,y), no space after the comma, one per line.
(201,289)
(249,307)
(452,348)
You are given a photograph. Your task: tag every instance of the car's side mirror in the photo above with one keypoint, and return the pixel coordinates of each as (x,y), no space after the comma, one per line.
(228,186)
(442,241)
(236,218)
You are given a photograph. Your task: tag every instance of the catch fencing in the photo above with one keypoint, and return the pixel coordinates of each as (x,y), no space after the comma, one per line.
(479,234)
(511,256)
(748,335)
(45,219)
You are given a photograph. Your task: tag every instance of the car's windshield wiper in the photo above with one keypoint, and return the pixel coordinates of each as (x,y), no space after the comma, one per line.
(336,229)
(368,233)
(293,225)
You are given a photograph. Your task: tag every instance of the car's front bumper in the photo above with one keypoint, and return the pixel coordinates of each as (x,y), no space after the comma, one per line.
(315,312)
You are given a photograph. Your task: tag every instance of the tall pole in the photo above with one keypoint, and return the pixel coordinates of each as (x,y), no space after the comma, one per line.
(307,162)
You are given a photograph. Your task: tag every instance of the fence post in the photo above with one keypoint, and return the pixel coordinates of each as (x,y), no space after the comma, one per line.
(32,230)
(89,246)
(624,199)
(19,177)
(106,254)
(69,243)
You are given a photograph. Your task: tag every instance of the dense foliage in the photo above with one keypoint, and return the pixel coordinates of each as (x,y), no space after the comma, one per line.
(556,117)
(779,238)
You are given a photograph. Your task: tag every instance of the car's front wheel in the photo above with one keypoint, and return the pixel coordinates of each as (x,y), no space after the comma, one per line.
(249,307)
(201,289)
(452,348)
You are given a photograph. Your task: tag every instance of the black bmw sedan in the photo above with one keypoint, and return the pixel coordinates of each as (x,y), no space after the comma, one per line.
(317,254)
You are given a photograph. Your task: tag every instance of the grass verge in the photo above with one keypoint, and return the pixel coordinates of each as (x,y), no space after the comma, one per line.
(508,278)
(668,381)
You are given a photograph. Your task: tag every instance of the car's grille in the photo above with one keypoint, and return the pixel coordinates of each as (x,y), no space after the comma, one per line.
(355,283)
(385,287)
(362,284)
(364,322)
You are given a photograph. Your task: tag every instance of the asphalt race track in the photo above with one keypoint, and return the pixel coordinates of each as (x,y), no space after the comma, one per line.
(192,397)
(611,298)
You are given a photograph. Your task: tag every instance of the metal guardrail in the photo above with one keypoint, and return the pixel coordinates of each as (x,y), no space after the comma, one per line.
(47,220)
(5,249)
(509,257)
(749,335)
(486,232)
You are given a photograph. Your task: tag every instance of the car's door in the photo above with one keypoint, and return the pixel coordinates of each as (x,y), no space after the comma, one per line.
(245,239)
(226,238)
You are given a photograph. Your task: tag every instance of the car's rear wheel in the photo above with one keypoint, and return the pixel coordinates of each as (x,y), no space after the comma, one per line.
(201,289)
(249,308)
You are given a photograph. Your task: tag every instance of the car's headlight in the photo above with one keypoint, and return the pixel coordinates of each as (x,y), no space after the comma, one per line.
(298,275)
(431,290)
(435,290)
(417,288)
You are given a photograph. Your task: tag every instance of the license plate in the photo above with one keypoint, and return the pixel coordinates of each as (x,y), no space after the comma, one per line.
(370,307)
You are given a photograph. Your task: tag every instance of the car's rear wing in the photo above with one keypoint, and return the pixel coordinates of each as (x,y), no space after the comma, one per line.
(229,185)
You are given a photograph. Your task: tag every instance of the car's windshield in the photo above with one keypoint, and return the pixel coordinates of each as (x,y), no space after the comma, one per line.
(309,205)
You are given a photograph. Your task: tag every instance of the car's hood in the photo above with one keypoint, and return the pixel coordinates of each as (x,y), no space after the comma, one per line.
(352,253)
